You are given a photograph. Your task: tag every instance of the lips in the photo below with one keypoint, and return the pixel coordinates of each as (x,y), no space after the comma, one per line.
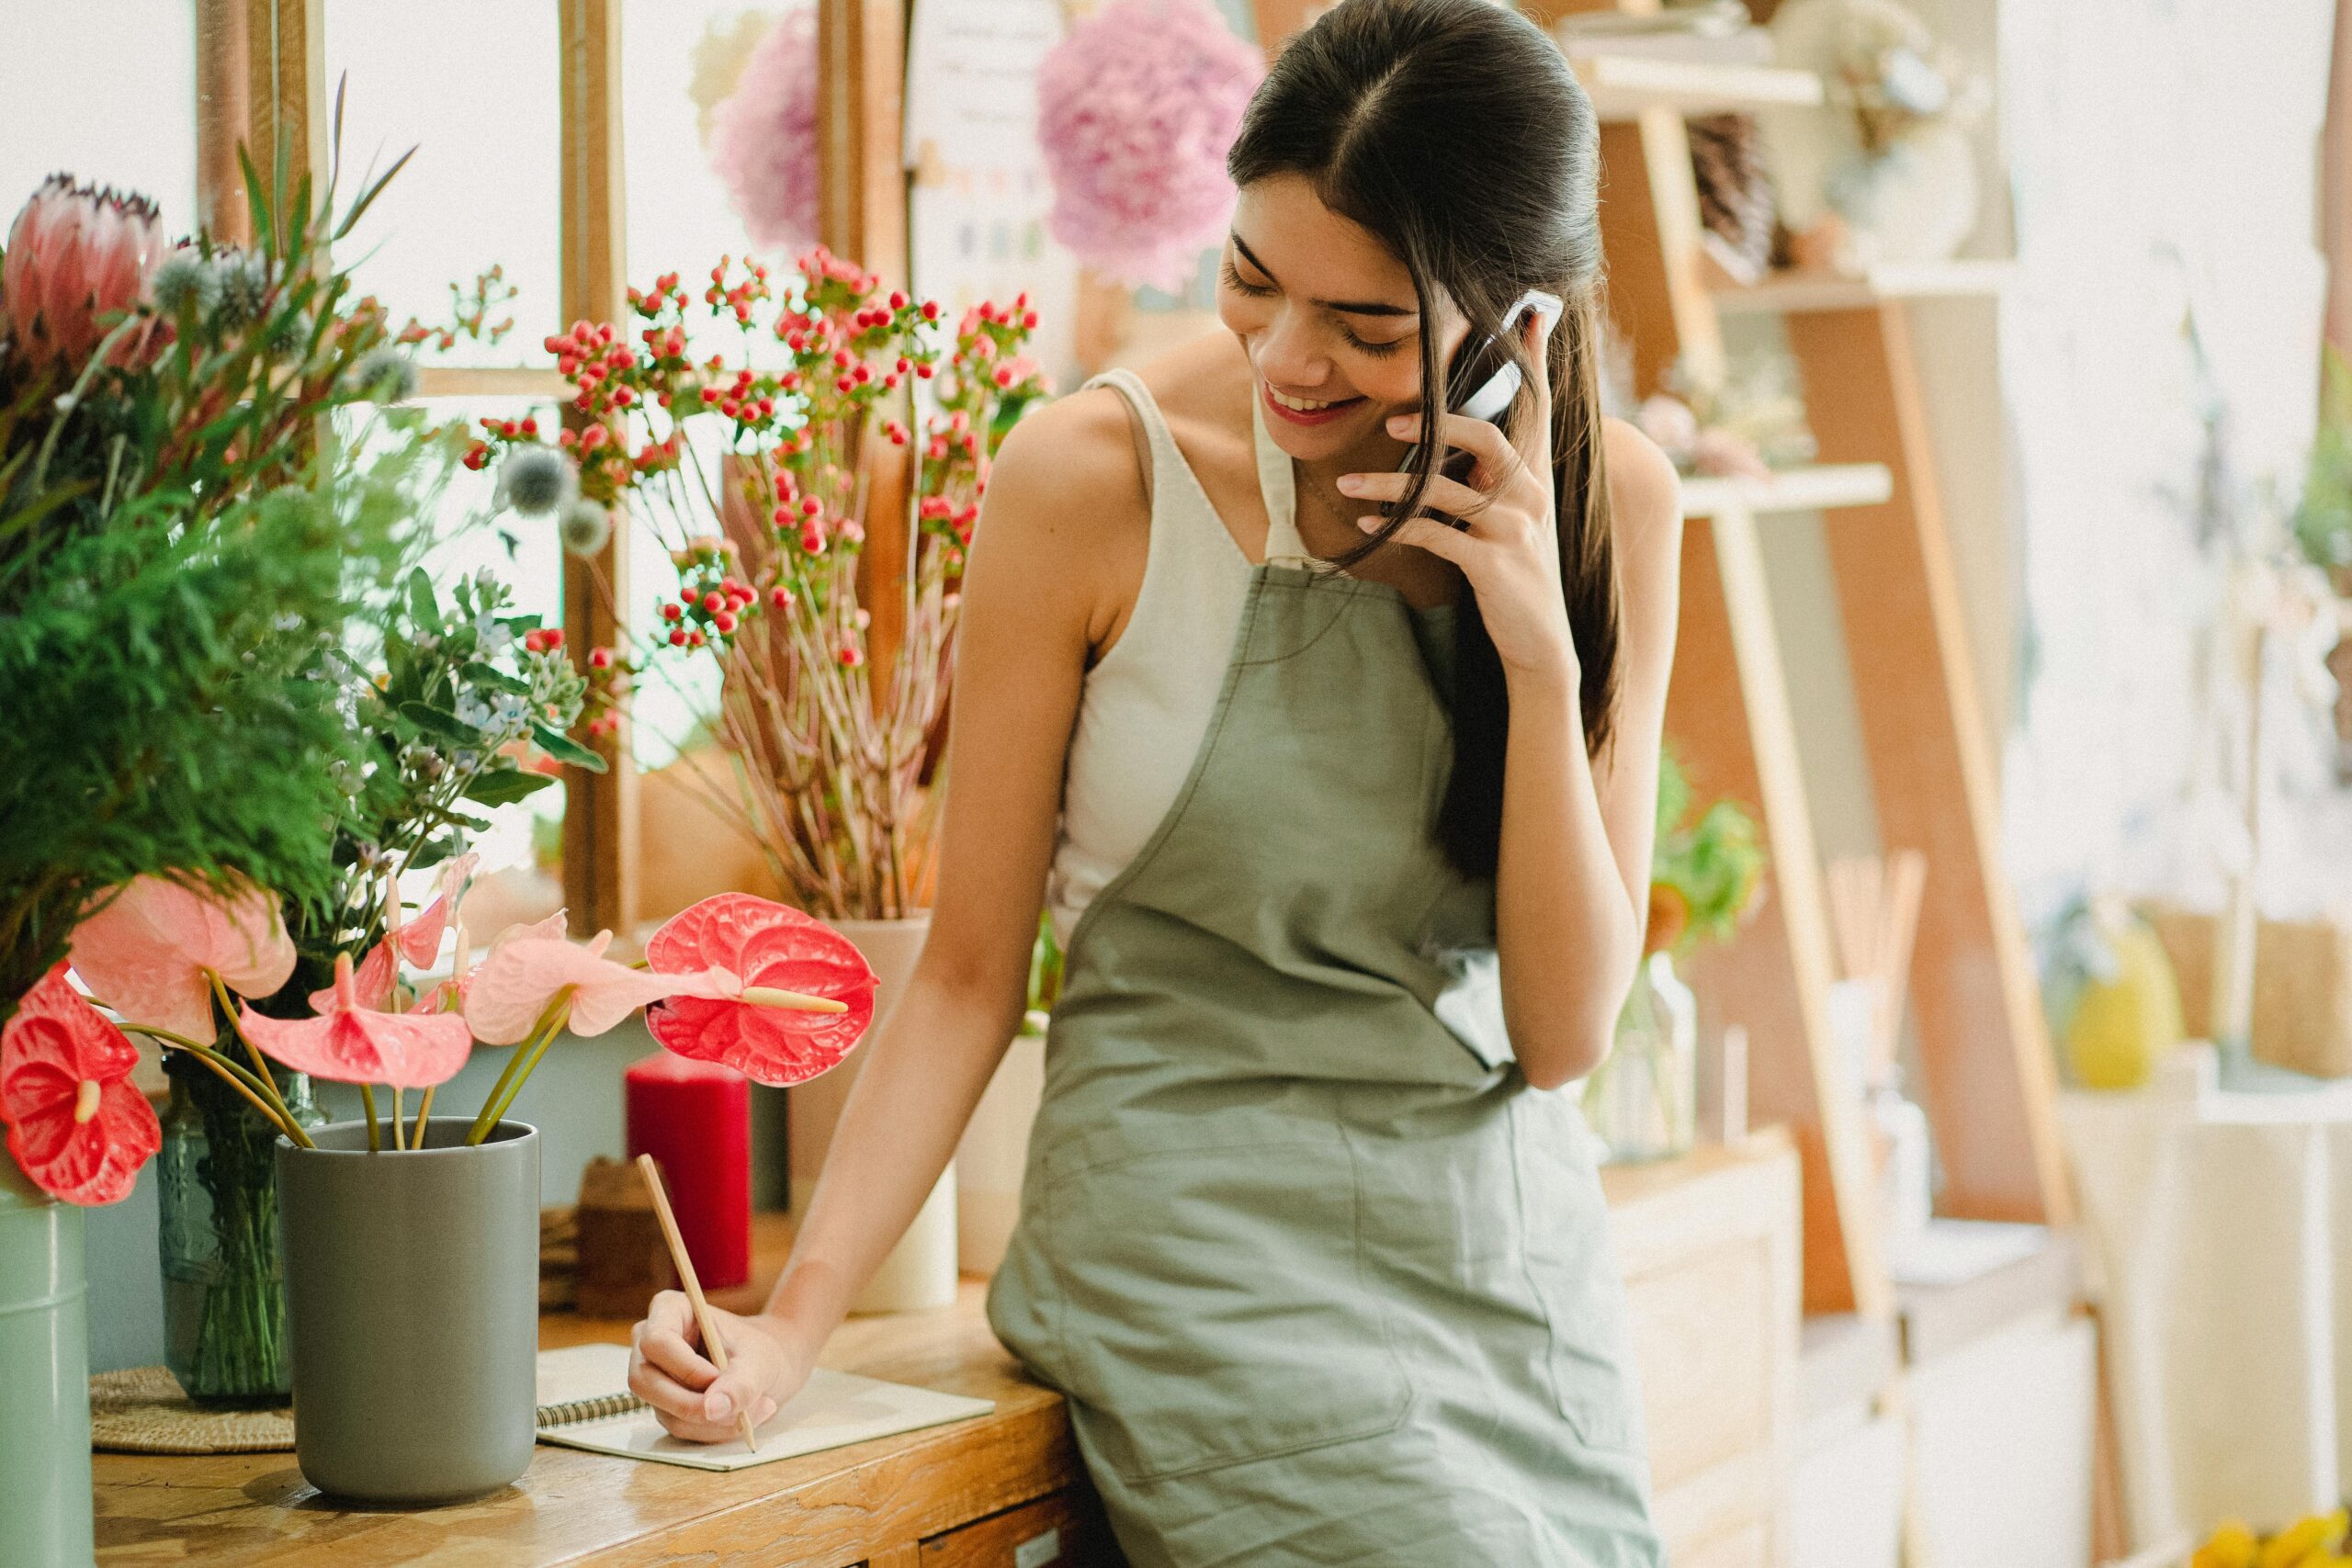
(1304,410)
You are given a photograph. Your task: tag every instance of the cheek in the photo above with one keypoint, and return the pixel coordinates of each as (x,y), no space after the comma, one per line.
(1394,379)
(1243,316)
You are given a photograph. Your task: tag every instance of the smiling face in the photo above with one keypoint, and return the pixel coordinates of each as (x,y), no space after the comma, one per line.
(1326,316)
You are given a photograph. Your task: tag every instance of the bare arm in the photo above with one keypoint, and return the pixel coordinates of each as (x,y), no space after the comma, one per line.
(1572,883)
(1040,593)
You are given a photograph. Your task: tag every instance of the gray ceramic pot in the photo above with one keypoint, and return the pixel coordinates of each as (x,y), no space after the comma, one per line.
(412,1307)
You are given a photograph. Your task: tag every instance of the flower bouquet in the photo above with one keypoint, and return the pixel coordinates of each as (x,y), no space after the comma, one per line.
(185,533)
(760,476)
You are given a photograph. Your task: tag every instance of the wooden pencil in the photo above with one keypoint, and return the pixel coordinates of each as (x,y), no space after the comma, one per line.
(712,1346)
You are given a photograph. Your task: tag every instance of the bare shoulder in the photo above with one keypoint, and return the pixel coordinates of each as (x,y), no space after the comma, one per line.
(1070,464)
(1644,492)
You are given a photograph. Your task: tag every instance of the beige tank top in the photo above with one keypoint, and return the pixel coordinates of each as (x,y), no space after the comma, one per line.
(1143,710)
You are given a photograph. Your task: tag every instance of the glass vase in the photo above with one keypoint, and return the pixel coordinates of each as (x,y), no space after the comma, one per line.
(224,1277)
(1643,1100)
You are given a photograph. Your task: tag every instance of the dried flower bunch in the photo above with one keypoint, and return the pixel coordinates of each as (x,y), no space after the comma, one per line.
(830,750)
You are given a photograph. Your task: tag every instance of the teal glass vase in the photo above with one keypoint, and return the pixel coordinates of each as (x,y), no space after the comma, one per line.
(224,1274)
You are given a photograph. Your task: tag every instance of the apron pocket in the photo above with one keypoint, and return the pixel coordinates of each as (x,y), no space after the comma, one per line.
(1574,1272)
(1212,1309)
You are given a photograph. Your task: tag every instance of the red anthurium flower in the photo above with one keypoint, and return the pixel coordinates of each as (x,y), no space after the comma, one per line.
(523,976)
(146,952)
(75,1124)
(764,1029)
(352,1044)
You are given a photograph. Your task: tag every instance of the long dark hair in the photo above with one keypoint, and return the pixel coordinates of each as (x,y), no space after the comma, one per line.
(1454,131)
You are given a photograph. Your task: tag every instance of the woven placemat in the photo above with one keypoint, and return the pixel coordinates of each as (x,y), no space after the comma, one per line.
(141,1410)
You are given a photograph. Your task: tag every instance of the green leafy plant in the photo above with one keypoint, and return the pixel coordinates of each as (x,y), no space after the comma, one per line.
(1704,875)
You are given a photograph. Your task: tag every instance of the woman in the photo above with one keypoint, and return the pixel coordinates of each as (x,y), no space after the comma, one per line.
(1345,816)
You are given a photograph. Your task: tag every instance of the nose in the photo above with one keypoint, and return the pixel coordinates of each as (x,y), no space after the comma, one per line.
(1289,355)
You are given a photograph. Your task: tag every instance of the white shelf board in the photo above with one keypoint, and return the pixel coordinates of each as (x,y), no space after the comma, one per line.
(1793,291)
(1623,85)
(1818,489)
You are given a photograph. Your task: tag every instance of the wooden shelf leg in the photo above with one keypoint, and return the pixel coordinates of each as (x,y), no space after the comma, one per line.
(1728,714)
(1991,1083)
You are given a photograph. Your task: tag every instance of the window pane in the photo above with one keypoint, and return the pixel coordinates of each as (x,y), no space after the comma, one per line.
(107,93)
(473,89)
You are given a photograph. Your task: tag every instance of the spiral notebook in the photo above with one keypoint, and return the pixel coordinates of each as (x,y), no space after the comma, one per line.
(584,1403)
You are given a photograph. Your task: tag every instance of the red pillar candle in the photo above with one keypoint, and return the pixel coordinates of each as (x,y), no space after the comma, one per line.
(694,1119)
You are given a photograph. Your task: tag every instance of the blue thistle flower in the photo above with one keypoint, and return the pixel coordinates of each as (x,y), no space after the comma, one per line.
(535,480)
(184,285)
(386,374)
(584,527)
(241,281)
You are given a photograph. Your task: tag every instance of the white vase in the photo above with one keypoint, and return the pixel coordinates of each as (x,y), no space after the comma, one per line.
(920,1271)
(995,1151)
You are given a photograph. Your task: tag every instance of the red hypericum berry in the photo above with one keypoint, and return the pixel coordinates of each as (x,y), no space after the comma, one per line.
(767,407)
(789,381)
(782,517)
(897,299)
(811,506)
(552,345)
(724,621)
(664,400)
(567,437)
(779,596)
(674,611)
(930,309)
(695,640)
(566,365)
(623,398)
(710,394)
(600,658)
(552,638)
(1028,317)
(678,636)
(594,437)
(1003,376)
(852,655)
(842,384)
(923,372)
(534,643)
(811,540)
(714,600)
(530,427)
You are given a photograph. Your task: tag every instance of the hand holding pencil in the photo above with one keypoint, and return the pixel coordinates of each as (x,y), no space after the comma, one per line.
(744,1367)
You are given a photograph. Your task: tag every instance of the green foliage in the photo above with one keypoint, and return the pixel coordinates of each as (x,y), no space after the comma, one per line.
(182,545)
(444,713)
(1715,864)
(2323,517)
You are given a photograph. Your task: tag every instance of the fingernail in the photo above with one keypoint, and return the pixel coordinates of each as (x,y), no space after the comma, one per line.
(718,1407)
(1369,524)
(1351,484)
(1400,424)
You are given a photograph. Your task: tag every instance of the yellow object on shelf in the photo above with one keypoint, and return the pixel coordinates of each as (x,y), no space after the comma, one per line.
(2314,1543)
(2127,1020)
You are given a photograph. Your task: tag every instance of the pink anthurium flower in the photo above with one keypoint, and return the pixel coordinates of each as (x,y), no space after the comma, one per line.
(76,1125)
(766,1029)
(148,950)
(350,1043)
(523,976)
(420,939)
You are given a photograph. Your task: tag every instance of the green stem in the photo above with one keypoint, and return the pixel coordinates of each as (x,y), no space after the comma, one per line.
(261,1064)
(367,1103)
(514,1063)
(510,1083)
(237,1077)
(400,1120)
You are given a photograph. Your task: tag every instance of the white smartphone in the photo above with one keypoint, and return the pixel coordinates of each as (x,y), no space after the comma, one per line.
(1484,377)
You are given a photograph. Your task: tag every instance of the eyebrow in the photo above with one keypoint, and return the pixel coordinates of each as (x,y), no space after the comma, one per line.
(1346,306)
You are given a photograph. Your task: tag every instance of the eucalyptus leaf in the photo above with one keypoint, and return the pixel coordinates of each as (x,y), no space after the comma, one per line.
(440,722)
(563,749)
(506,786)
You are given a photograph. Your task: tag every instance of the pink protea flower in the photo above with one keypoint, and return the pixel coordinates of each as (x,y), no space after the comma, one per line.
(76,1126)
(523,976)
(1136,108)
(763,136)
(149,951)
(352,1043)
(76,256)
(804,996)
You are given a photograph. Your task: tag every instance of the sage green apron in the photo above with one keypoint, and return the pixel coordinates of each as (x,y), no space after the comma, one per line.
(1323,1280)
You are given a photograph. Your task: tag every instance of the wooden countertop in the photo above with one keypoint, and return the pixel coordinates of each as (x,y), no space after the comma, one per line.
(869,1503)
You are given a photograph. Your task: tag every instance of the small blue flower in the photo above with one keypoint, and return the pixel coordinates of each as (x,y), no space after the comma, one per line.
(185,285)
